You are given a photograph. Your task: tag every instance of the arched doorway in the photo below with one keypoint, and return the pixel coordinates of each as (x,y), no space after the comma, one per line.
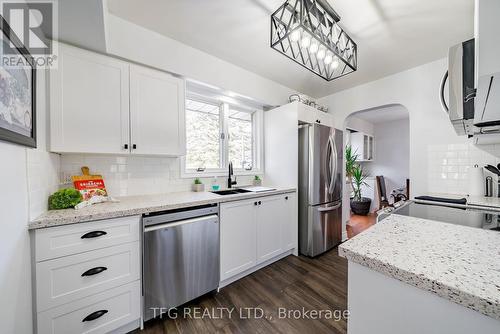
(379,138)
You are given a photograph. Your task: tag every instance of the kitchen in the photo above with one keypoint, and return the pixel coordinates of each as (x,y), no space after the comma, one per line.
(221,180)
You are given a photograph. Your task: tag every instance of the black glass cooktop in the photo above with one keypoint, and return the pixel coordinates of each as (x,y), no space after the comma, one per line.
(489,220)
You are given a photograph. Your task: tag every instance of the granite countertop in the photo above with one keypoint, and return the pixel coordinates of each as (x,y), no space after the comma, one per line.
(459,263)
(137,205)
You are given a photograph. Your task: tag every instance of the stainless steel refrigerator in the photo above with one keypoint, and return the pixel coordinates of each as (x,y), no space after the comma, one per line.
(320,188)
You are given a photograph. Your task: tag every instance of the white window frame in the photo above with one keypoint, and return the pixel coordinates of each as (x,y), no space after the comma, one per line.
(258,141)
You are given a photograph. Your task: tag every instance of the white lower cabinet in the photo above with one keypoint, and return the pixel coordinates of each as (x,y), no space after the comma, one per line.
(270,218)
(87,276)
(255,231)
(96,314)
(289,226)
(237,237)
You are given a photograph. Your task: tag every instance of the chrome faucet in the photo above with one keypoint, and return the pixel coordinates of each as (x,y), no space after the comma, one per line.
(230,181)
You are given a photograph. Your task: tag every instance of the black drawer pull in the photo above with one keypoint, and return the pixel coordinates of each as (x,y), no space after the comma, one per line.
(125,146)
(93,234)
(254,203)
(286,197)
(134,146)
(95,315)
(94,271)
(260,202)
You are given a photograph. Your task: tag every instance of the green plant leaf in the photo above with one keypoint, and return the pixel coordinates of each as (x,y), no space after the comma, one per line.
(64,198)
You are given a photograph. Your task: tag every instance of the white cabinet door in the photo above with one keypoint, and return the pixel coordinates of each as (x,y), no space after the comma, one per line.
(156,112)
(237,237)
(89,103)
(289,224)
(270,218)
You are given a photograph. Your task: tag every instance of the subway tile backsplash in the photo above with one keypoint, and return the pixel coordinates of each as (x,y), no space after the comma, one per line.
(132,175)
(449,165)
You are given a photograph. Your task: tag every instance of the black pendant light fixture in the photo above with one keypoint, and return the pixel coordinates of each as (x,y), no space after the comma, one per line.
(307,31)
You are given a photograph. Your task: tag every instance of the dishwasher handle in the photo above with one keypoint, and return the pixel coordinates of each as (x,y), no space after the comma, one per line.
(211,218)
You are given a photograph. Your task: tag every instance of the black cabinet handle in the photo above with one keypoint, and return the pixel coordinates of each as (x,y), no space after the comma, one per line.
(95,315)
(125,146)
(260,202)
(134,146)
(254,203)
(286,198)
(93,234)
(318,121)
(94,271)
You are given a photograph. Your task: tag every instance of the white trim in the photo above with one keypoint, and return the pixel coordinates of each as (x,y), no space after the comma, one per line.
(257,141)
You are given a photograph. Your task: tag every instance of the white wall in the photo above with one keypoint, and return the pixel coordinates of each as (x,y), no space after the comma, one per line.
(144,46)
(28,176)
(417,90)
(430,130)
(360,125)
(392,153)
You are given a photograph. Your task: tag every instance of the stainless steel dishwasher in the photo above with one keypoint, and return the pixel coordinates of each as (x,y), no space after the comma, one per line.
(181,257)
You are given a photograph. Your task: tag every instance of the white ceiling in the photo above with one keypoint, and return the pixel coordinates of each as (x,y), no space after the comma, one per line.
(392,35)
(383,115)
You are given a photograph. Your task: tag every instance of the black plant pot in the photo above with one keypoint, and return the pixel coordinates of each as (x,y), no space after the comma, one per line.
(361,207)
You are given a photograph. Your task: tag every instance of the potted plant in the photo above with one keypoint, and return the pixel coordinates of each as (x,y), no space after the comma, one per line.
(350,162)
(359,205)
(257,181)
(198,186)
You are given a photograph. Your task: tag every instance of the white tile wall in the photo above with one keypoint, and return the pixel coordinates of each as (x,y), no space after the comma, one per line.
(131,175)
(448,165)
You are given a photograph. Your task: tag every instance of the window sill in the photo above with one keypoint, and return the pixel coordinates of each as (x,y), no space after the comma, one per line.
(192,175)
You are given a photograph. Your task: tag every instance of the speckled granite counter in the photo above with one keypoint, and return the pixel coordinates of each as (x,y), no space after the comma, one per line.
(137,205)
(461,264)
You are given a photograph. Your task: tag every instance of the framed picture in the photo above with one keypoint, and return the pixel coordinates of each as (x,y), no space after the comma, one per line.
(17,90)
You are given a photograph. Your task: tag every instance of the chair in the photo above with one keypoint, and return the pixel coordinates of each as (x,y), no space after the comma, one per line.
(382,193)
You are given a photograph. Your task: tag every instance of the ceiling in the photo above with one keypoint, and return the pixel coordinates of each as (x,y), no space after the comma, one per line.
(384,114)
(392,35)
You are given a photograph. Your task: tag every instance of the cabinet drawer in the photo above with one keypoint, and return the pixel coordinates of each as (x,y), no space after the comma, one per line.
(65,240)
(118,306)
(68,278)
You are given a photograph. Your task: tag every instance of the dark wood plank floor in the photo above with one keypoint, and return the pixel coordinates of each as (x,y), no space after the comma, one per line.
(293,283)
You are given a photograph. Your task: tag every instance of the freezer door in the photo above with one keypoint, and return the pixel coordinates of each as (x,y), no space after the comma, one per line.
(323,230)
(320,164)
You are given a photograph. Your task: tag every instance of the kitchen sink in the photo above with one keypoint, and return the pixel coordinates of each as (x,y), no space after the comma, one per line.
(231,191)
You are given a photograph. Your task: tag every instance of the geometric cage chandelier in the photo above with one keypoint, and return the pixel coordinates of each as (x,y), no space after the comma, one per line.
(307,31)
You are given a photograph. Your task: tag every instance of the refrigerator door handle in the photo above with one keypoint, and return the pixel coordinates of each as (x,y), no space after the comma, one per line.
(333,165)
(330,208)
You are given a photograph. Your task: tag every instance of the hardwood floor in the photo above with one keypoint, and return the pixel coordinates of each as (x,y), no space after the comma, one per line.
(293,283)
(358,224)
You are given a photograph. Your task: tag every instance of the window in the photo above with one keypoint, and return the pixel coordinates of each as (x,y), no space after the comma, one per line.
(217,133)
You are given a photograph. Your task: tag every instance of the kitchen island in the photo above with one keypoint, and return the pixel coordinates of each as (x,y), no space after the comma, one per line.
(411,275)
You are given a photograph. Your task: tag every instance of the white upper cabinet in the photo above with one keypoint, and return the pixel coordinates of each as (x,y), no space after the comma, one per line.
(89,103)
(100,104)
(363,145)
(308,114)
(156,112)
